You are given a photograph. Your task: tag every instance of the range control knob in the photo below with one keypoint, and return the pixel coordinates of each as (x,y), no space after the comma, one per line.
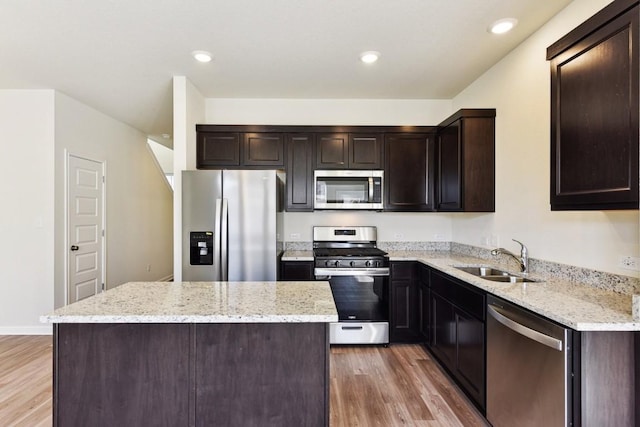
(337,263)
(326,263)
(352,263)
(368,263)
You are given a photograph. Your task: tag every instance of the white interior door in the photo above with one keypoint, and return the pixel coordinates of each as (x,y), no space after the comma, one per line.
(85,219)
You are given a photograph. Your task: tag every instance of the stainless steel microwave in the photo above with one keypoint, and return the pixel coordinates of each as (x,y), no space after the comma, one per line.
(348,189)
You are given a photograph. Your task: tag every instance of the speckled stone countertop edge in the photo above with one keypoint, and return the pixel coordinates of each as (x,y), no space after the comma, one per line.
(189,319)
(204,302)
(580,307)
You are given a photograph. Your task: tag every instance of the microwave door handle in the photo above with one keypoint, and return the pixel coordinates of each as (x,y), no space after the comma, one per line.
(370,189)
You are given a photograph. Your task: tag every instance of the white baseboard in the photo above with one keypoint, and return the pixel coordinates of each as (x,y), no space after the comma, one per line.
(26,330)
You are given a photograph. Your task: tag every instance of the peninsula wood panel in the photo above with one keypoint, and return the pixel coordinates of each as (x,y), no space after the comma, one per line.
(272,374)
(121,374)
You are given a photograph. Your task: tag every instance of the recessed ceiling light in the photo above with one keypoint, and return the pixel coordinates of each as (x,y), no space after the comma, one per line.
(201,55)
(369,57)
(502,26)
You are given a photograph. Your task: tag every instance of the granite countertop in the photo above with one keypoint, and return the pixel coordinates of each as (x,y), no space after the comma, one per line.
(204,302)
(297,256)
(578,306)
(569,302)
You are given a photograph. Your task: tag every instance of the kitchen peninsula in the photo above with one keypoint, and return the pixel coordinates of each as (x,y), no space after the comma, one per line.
(194,353)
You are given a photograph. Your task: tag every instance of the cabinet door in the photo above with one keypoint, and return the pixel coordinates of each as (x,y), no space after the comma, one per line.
(365,151)
(299,180)
(297,270)
(332,151)
(443,333)
(424,310)
(217,150)
(594,116)
(404,303)
(408,172)
(470,369)
(449,168)
(263,149)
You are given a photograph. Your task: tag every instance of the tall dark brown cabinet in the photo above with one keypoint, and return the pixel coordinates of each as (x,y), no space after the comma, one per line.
(594,112)
(466,161)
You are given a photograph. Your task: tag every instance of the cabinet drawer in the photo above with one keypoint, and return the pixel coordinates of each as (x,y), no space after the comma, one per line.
(402,270)
(459,294)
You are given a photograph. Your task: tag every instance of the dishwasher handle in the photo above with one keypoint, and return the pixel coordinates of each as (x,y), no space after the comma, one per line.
(552,342)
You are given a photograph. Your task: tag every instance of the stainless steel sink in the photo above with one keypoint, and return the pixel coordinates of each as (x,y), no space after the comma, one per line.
(490,273)
(483,271)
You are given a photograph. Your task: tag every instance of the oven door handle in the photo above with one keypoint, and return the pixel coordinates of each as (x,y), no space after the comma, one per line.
(384,271)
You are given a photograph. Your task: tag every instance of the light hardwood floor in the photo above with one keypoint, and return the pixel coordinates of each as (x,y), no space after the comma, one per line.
(370,386)
(25,380)
(396,386)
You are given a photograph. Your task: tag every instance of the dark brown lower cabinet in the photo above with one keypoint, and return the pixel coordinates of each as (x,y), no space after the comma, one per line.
(297,270)
(250,374)
(458,334)
(403,310)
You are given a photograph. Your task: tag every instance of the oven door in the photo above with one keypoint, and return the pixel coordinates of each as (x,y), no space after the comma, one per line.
(363,309)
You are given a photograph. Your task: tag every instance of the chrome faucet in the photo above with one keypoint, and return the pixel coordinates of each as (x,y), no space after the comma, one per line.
(523,260)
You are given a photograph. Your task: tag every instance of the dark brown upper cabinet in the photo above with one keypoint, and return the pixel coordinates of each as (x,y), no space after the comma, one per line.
(349,151)
(263,149)
(249,150)
(466,161)
(594,112)
(217,150)
(409,172)
(299,169)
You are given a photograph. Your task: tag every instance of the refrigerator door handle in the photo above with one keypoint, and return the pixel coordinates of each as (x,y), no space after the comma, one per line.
(217,234)
(224,241)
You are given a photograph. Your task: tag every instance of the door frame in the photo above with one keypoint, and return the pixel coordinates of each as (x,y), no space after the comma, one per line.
(67,155)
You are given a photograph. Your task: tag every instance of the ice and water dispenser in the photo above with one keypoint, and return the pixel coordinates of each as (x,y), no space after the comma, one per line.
(201,243)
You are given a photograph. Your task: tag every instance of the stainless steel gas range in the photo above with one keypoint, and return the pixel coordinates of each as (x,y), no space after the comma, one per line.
(358,273)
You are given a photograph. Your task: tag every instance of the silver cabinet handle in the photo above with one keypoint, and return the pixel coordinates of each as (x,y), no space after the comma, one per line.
(554,343)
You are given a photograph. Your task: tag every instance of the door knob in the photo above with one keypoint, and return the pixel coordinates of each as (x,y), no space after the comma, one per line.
(74,247)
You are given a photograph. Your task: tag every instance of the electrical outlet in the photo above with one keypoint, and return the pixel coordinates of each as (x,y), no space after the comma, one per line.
(148,267)
(438,237)
(629,263)
(295,236)
(495,240)
(398,235)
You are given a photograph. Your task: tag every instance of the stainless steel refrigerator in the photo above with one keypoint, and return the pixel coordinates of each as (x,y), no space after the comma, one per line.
(230,225)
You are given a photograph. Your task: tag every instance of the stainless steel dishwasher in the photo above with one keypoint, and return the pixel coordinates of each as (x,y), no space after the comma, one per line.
(528,368)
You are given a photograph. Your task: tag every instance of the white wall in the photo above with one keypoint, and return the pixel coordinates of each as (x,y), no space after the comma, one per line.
(27,214)
(519,88)
(392,112)
(139,202)
(188,110)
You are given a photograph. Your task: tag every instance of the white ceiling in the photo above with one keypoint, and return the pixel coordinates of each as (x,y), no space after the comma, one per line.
(119,56)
